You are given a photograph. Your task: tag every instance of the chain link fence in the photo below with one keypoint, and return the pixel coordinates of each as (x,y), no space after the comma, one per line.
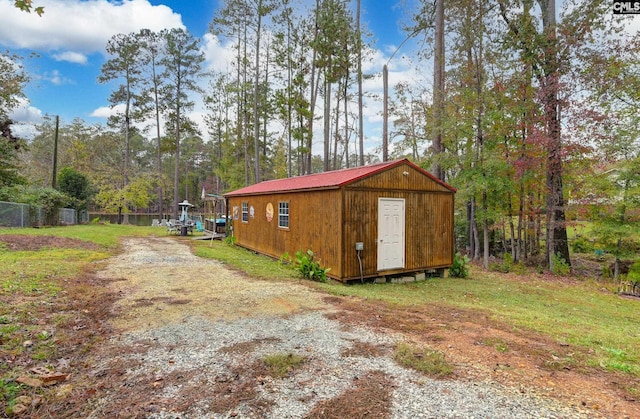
(23,215)
(67,216)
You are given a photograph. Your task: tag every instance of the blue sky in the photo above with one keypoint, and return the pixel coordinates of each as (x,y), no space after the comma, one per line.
(70,37)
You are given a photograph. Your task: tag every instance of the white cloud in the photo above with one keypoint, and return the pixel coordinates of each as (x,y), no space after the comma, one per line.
(107,111)
(26,114)
(25,117)
(80,26)
(72,57)
(55,77)
(217,56)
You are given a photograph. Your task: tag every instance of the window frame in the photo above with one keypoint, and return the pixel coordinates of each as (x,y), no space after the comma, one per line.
(245,211)
(282,216)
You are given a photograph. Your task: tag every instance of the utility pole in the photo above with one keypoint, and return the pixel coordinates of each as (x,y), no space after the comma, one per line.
(385,112)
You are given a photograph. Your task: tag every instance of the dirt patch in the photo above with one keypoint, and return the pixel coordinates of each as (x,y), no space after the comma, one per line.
(370,397)
(18,242)
(77,321)
(364,349)
(165,283)
(239,386)
(481,347)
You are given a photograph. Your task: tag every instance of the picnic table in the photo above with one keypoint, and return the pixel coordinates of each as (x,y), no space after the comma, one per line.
(179,227)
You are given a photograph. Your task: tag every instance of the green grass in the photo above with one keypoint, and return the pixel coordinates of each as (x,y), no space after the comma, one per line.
(499,344)
(423,359)
(32,280)
(281,364)
(36,272)
(106,235)
(578,314)
(256,265)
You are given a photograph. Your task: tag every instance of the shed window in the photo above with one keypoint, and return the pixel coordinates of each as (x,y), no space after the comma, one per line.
(283,214)
(245,212)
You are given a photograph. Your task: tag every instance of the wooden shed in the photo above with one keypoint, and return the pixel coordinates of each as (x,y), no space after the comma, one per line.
(371,221)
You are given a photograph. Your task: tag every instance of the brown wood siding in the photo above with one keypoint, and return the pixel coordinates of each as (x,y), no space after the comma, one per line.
(314,223)
(395,179)
(428,230)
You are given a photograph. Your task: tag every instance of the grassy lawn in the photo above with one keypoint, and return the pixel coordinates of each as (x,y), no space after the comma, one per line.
(36,271)
(39,288)
(106,235)
(580,314)
(253,264)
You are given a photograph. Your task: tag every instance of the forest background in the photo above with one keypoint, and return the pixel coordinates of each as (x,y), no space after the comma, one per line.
(528,109)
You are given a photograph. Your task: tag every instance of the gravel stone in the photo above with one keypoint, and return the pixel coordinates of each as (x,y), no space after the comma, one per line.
(199,343)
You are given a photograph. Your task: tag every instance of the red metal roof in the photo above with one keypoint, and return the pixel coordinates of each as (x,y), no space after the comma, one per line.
(327,180)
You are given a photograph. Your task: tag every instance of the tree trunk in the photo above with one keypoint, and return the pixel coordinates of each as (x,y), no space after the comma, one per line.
(557,243)
(360,104)
(512,230)
(256,123)
(313,91)
(520,248)
(127,134)
(438,90)
(327,120)
(244,114)
(289,104)
(176,172)
(336,131)
(345,104)
(485,230)
(158,140)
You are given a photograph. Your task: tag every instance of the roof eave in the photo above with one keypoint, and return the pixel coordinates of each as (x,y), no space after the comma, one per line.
(280,192)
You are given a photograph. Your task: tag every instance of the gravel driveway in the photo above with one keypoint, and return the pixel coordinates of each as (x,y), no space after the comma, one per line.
(193,333)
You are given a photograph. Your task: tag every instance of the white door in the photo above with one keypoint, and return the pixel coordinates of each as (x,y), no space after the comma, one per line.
(390,233)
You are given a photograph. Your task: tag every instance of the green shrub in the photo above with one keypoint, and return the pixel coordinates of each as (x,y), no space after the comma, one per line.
(310,268)
(285,259)
(497,267)
(47,200)
(582,245)
(634,273)
(560,266)
(519,268)
(505,266)
(460,267)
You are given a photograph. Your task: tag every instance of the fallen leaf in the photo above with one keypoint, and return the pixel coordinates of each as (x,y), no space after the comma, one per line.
(18,409)
(64,391)
(52,379)
(40,371)
(25,400)
(28,381)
